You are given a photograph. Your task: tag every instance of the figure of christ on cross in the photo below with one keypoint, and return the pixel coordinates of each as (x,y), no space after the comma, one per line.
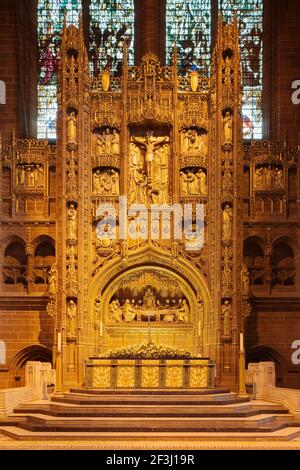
(150,144)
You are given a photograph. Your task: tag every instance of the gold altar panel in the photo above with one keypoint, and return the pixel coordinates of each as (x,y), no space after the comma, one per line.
(150,373)
(101,376)
(198,374)
(126,374)
(174,374)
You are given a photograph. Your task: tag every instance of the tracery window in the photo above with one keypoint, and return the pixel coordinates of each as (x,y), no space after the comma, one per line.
(111,25)
(250,17)
(188,24)
(50,23)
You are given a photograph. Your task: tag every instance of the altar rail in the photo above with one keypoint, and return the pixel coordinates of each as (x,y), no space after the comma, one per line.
(149,373)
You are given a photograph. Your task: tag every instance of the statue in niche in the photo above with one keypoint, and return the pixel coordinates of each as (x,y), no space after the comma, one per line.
(129,312)
(259,178)
(149,299)
(138,186)
(20,173)
(115,143)
(72,223)
(183,184)
(135,156)
(100,144)
(115,182)
(149,143)
(115,312)
(97,182)
(52,279)
(194,148)
(192,183)
(278,178)
(203,143)
(108,141)
(105,183)
(202,181)
(72,127)
(71,318)
(227,128)
(184,142)
(227,217)
(192,143)
(29,177)
(245,275)
(183,312)
(227,317)
(39,176)
(268,178)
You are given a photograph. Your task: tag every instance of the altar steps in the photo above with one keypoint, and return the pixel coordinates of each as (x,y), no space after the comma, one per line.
(151,415)
(167,397)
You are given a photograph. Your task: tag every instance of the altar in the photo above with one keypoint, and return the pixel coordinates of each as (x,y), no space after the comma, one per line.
(149,366)
(149,373)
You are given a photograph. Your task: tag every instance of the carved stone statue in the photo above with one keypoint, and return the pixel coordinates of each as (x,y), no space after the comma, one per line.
(114,175)
(115,312)
(129,312)
(72,223)
(183,184)
(149,300)
(20,175)
(278,178)
(227,126)
(245,275)
(72,127)
(52,279)
(227,317)
(39,176)
(201,175)
(183,312)
(30,178)
(108,141)
(149,143)
(138,186)
(71,318)
(115,143)
(259,178)
(97,182)
(227,217)
(192,183)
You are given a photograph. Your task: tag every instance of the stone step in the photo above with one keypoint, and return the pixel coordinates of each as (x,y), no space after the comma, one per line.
(150,391)
(154,399)
(285,434)
(264,422)
(61,409)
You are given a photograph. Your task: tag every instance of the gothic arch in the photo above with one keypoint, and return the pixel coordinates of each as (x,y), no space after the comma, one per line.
(192,281)
(260,353)
(34,352)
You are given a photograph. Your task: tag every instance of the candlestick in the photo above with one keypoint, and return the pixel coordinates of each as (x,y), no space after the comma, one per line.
(241,341)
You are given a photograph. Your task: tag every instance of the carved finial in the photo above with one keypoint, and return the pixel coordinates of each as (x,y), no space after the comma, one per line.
(125,54)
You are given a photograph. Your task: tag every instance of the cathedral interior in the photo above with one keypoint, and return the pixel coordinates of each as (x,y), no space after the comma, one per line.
(112,110)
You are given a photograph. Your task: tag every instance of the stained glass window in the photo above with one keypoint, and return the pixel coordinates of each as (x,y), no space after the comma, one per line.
(50,22)
(250,17)
(111,24)
(189,27)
